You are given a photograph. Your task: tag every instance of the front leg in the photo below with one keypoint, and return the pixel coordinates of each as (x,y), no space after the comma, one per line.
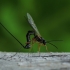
(28,38)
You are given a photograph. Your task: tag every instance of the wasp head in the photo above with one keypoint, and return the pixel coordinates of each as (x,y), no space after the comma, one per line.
(43,41)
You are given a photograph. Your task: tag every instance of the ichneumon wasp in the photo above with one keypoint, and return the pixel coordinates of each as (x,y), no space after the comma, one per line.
(37,37)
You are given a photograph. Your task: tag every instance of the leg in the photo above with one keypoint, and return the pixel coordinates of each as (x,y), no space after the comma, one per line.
(46,48)
(39,49)
(33,41)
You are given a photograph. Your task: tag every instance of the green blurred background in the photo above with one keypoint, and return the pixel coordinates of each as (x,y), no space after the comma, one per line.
(52,18)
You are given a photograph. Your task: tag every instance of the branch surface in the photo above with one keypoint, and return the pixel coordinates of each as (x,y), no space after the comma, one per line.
(34,61)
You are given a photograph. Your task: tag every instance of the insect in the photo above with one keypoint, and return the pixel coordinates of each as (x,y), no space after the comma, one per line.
(37,37)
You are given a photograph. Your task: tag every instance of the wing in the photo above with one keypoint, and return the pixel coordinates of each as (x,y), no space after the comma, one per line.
(31,22)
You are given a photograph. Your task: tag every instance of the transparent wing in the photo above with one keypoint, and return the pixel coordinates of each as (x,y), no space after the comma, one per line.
(31,22)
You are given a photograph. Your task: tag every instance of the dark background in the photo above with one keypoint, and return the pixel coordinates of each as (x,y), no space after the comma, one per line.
(52,18)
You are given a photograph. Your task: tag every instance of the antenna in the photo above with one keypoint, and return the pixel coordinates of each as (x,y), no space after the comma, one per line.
(13,36)
(54,40)
(53,45)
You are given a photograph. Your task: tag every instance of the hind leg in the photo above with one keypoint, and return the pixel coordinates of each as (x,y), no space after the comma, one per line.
(46,48)
(39,45)
(32,42)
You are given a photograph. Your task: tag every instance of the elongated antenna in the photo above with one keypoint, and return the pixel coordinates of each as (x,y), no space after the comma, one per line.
(53,45)
(54,40)
(13,36)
